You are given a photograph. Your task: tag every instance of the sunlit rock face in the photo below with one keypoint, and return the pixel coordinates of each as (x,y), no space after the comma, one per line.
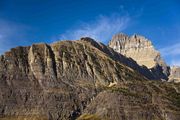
(142,51)
(175,74)
(136,47)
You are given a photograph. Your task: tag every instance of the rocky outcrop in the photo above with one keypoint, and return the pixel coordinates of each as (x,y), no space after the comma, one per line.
(142,51)
(174,74)
(65,80)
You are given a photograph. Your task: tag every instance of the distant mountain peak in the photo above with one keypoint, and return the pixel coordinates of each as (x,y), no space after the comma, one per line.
(137,47)
(141,50)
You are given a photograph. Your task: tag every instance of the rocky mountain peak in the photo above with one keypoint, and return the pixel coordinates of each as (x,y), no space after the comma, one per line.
(121,36)
(140,49)
(136,47)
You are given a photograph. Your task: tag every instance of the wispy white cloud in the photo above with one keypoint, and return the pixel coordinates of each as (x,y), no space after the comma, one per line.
(172,54)
(100,29)
(171,50)
(175,62)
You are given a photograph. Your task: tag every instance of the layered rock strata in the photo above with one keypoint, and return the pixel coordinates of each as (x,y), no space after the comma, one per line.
(81,79)
(142,51)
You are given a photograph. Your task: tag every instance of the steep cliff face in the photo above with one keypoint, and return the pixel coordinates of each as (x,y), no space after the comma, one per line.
(64,80)
(56,81)
(142,51)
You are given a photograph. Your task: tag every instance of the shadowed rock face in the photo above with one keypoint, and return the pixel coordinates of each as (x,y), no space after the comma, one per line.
(63,81)
(142,51)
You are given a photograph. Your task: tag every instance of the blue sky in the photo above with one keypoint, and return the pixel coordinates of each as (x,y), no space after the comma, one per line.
(23,22)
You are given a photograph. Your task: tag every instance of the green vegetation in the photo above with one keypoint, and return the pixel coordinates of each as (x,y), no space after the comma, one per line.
(63,48)
(35,117)
(89,117)
(124,91)
(118,89)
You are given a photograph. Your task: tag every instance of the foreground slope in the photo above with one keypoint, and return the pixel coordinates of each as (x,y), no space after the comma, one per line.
(135,100)
(74,79)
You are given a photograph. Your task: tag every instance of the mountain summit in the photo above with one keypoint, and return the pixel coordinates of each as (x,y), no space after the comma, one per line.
(137,47)
(143,52)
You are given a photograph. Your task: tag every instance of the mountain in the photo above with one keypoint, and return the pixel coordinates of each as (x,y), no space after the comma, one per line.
(137,47)
(143,52)
(84,80)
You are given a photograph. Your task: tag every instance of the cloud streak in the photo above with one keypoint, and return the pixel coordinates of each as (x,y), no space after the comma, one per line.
(175,62)
(172,50)
(172,53)
(100,29)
